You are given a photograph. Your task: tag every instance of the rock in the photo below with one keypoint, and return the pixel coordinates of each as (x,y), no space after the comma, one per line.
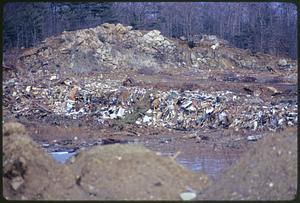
(17,182)
(188,196)
(282,62)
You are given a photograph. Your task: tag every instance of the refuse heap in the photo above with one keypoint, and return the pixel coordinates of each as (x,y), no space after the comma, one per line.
(111,46)
(107,46)
(104,100)
(42,84)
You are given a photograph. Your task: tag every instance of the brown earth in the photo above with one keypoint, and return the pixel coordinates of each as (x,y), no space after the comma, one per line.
(267,171)
(109,172)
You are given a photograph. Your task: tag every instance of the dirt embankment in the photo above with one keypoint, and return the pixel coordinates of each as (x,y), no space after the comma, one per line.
(115,172)
(268,171)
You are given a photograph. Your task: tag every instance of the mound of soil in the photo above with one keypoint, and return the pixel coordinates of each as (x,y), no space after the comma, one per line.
(268,171)
(31,173)
(133,172)
(114,172)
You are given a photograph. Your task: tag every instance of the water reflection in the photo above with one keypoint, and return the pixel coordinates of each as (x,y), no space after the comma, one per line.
(62,157)
(212,166)
(210,163)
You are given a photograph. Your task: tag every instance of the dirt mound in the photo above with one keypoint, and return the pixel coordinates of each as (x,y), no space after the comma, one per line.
(133,172)
(29,172)
(110,47)
(109,172)
(266,172)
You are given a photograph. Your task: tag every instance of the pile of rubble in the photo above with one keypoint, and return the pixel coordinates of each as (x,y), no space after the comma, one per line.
(47,87)
(103,100)
(106,46)
(110,46)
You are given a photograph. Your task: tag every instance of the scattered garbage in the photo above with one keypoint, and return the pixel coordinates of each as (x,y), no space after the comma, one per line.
(50,93)
(104,100)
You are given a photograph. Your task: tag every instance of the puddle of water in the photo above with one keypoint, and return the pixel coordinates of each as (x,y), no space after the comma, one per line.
(62,157)
(212,166)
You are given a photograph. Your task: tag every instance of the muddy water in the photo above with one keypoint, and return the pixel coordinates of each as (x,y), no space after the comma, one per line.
(212,164)
(62,157)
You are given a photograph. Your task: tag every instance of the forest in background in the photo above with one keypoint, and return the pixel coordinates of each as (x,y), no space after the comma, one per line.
(260,27)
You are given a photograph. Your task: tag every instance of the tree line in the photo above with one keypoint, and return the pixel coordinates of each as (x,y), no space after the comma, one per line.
(260,27)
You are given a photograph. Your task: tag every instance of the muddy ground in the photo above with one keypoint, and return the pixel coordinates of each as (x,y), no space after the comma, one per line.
(226,165)
(264,170)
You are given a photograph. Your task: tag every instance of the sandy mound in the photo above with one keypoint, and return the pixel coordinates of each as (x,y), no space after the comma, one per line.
(29,172)
(266,172)
(133,172)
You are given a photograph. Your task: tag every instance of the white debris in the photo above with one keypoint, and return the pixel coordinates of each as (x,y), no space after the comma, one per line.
(28,88)
(121,112)
(113,116)
(215,46)
(70,104)
(146,119)
(149,111)
(254,137)
(210,110)
(282,62)
(188,196)
(53,77)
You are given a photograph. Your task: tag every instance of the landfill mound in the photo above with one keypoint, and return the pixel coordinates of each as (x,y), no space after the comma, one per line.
(115,172)
(111,46)
(142,78)
(266,172)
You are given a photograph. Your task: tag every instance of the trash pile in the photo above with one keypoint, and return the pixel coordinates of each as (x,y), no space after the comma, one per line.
(108,99)
(47,88)
(111,46)
(107,46)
